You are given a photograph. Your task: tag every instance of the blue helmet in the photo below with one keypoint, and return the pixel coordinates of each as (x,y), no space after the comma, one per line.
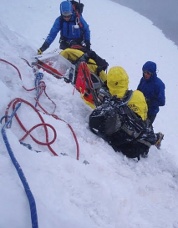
(66,8)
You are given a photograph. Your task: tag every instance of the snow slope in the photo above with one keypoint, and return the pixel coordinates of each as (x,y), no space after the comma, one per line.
(103,188)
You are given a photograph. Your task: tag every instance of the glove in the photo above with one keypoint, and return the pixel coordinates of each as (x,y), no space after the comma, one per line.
(100,68)
(101,63)
(39,52)
(43,48)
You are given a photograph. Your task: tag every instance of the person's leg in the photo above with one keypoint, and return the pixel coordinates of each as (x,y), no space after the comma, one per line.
(134,150)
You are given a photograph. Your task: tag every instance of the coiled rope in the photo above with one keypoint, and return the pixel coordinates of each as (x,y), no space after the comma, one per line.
(40,87)
(48,143)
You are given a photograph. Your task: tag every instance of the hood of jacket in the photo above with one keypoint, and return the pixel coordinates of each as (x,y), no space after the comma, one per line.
(117,81)
(150,67)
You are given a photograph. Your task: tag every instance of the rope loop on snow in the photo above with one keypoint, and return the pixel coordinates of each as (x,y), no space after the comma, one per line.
(40,88)
(5,61)
(45,126)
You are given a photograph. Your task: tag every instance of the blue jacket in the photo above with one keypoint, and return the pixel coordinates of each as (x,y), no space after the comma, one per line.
(68,29)
(153,89)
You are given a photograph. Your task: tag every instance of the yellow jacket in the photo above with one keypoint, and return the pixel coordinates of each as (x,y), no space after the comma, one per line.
(117,82)
(73,54)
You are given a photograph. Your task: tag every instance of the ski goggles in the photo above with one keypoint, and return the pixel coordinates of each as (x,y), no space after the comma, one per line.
(67,16)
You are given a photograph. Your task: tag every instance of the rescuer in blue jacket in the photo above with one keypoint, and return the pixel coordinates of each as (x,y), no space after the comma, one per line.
(153,89)
(73,29)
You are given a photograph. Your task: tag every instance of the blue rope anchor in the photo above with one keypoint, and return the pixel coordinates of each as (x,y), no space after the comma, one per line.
(39,77)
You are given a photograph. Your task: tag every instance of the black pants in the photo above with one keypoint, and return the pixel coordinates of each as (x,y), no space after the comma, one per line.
(121,142)
(63,44)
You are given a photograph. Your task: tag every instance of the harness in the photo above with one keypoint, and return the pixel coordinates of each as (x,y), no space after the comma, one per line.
(76,19)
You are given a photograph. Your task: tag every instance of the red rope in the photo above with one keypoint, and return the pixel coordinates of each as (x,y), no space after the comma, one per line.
(27,62)
(20,76)
(75,137)
(28,132)
(45,125)
(43,89)
(5,61)
(73,133)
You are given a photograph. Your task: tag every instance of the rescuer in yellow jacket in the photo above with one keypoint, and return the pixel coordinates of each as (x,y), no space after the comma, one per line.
(117,82)
(121,119)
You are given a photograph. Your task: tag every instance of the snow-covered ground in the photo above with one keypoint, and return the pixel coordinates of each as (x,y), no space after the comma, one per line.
(102,189)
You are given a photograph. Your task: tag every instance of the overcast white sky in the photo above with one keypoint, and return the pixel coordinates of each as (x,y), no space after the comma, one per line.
(109,190)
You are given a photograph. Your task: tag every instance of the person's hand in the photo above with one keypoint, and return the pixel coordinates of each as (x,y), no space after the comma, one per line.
(103,67)
(39,52)
(43,48)
(99,69)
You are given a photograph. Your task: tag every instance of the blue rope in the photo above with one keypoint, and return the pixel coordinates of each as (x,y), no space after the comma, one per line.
(38,78)
(29,194)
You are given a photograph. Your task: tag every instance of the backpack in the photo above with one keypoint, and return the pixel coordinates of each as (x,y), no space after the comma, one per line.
(77,6)
(87,84)
(117,124)
(109,118)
